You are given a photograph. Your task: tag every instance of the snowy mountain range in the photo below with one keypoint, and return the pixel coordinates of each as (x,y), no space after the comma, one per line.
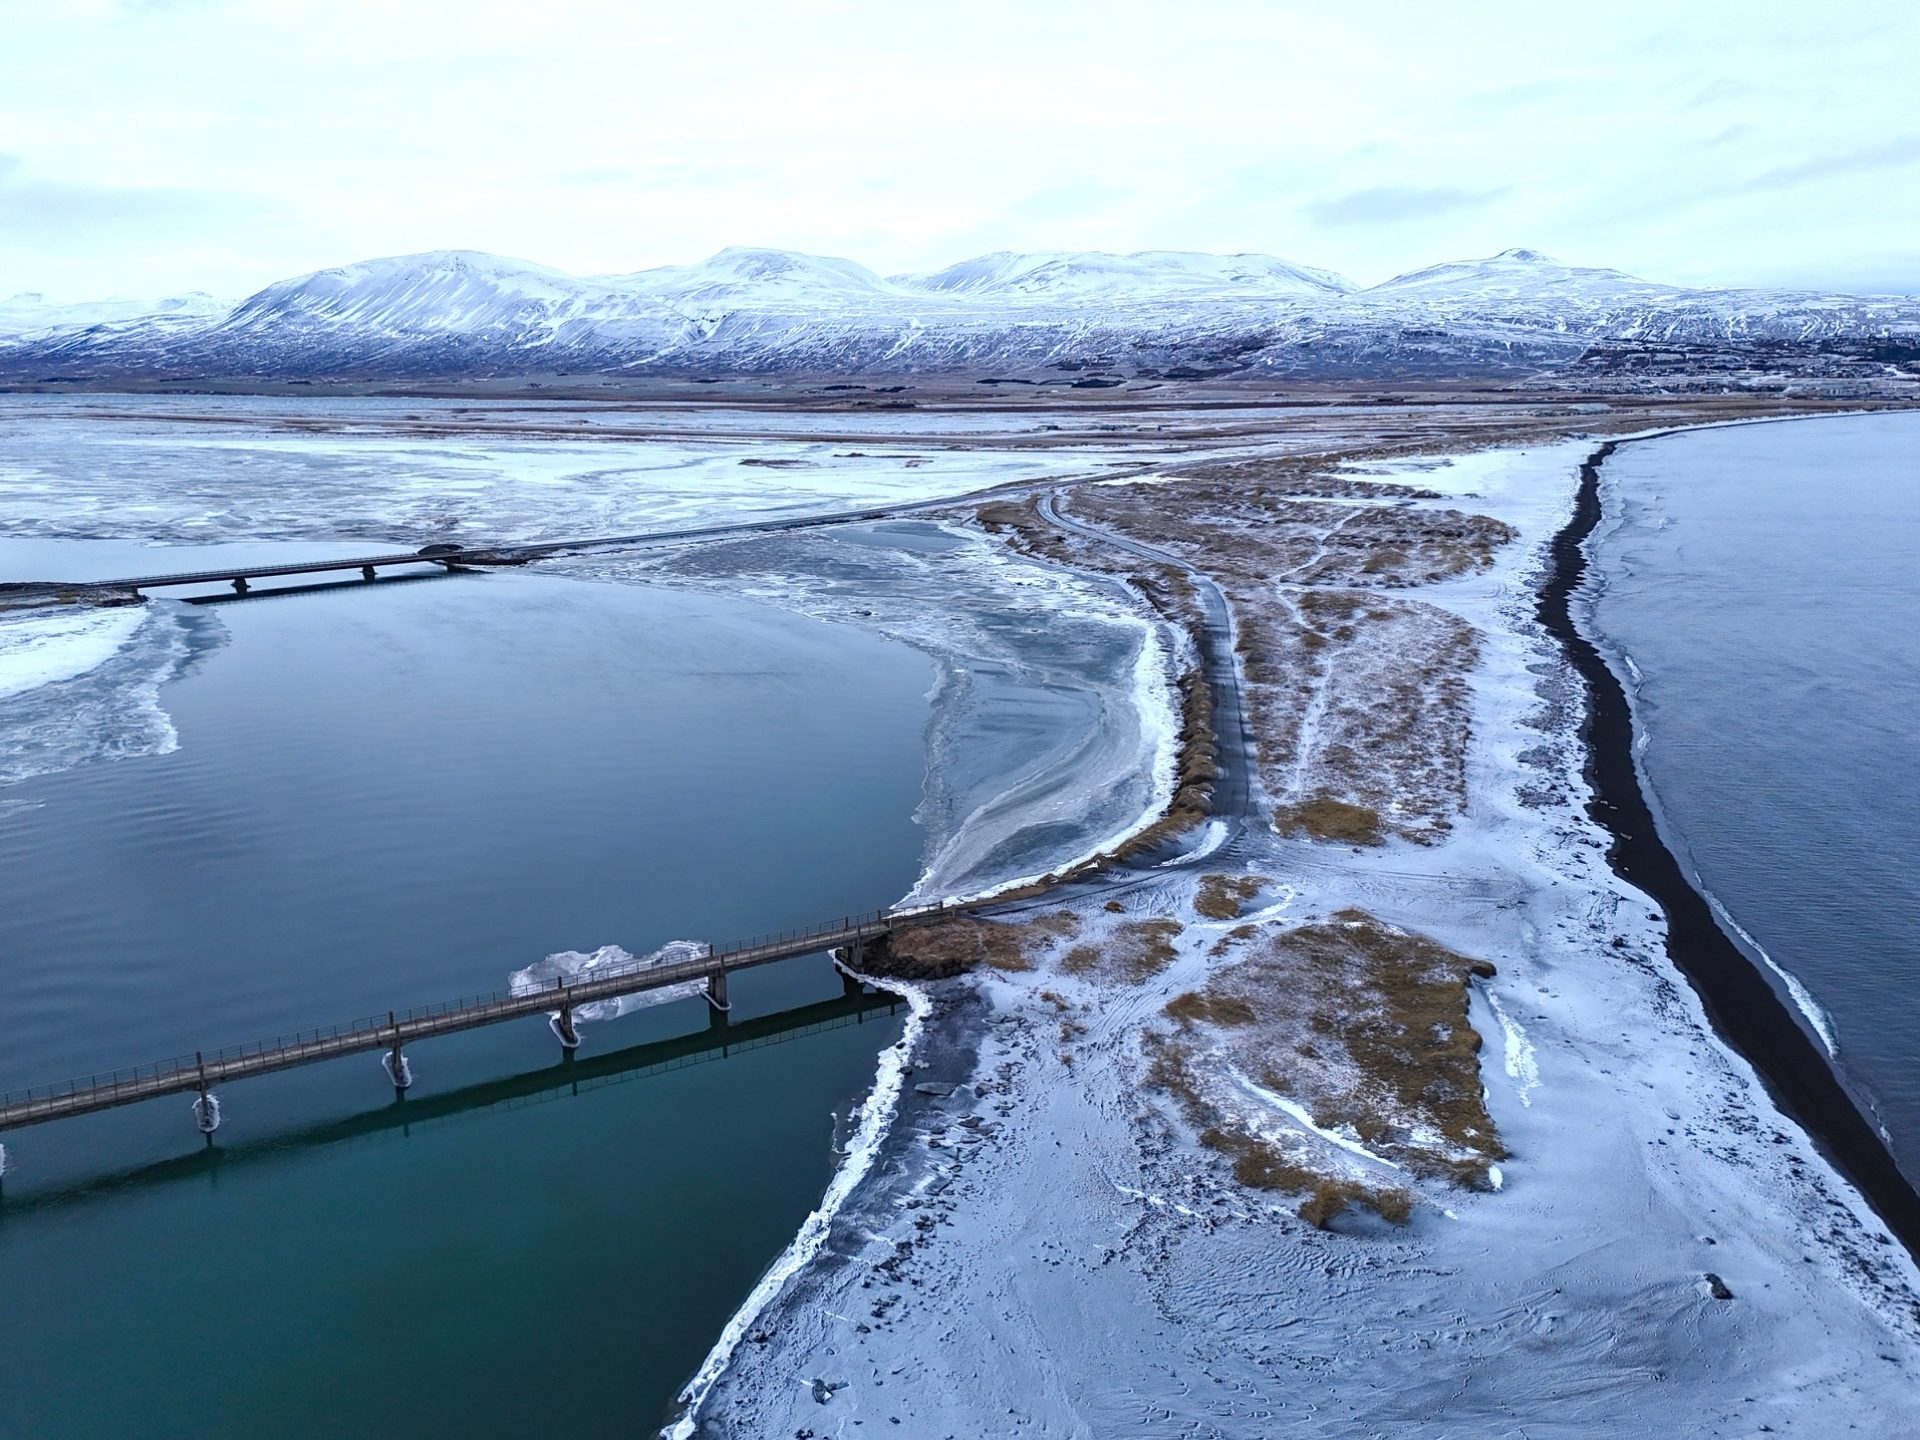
(459,313)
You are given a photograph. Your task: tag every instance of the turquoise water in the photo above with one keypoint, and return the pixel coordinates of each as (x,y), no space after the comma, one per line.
(397,794)
(1763,582)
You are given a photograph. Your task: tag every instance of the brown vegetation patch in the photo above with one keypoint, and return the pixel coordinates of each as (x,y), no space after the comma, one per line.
(1312,475)
(1364,1025)
(1205,1008)
(1360,702)
(1260,1164)
(1249,534)
(1325,818)
(1225,897)
(1020,523)
(944,948)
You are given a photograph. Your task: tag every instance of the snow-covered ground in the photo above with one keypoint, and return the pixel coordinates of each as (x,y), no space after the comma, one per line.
(1042,1250)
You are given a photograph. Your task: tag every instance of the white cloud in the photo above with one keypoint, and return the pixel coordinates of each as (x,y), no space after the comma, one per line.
(215,145)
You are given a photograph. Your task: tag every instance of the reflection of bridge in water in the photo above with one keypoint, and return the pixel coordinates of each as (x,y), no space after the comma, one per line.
(200,1073)
(573,1075)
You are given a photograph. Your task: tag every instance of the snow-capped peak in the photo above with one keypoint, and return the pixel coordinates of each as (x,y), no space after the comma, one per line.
(435,290)
(1510,272)
(1142,275)
(748,273)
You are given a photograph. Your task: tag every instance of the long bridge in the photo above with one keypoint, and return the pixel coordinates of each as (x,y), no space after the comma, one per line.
(451,557)
(399,1029)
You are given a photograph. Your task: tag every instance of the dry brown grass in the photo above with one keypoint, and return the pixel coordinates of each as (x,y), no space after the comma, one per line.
(1248,533)
(1363,1024)
(1391,1009)
(946,948)
(1361,700)
(1256,1162)
(1225,897)
(1305,475)
(1080,960)
(1196,1007)
(1325,818)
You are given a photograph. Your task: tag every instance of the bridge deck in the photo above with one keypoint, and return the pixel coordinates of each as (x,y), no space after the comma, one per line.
(478,555)
(169,1077)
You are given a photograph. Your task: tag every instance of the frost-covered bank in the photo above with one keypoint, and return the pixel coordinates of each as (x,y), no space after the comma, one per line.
(1049,1248)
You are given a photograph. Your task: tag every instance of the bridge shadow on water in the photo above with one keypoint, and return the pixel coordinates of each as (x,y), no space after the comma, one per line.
(572,1075)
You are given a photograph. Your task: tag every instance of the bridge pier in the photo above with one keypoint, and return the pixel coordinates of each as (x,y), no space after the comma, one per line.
(847,961)
(206,1109)
(395,1063)
(366,572)
(240,586)
(717,992)
(563,1027)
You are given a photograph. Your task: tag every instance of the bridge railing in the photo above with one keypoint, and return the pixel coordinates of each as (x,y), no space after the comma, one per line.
(180,1067)
(131,1077)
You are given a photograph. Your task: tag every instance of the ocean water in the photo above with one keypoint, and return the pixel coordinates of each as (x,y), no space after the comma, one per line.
(1760,597)
(391,794)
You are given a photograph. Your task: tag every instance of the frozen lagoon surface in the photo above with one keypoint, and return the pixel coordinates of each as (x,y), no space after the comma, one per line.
(1764,582)
(207,469)
(223,822)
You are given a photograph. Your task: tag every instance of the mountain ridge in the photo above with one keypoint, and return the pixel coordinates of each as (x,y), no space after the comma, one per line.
(446,313)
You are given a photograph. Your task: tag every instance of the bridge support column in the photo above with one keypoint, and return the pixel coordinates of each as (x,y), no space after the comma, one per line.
(366,572)
(395,1063)
(562,1025)
(240,586)
(717,992)
(847,961)
(206,1109)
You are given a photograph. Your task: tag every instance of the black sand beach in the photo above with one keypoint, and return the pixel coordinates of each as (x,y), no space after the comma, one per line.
(1737,997)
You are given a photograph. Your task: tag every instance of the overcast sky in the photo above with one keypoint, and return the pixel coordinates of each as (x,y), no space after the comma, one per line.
(156,146)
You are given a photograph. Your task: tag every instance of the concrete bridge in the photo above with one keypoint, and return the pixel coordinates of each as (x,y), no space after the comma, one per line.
(393,1033)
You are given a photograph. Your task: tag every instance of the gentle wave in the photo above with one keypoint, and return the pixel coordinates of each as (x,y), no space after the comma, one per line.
(1817,1017)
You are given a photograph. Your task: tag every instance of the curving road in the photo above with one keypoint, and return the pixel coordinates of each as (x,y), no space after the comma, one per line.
(1232,802)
